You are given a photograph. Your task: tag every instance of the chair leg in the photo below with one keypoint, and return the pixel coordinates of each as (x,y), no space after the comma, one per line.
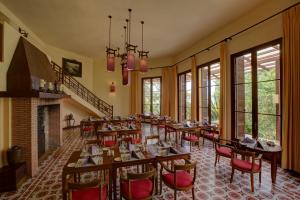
(260,177)
(232,173)
(216,159)
(252,182)
(193,193)
(174,194)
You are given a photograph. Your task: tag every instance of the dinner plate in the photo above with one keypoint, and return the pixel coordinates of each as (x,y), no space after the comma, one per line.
(71,164)
(117,159)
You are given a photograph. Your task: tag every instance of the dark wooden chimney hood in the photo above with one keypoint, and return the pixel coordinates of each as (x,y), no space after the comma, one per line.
(28,66)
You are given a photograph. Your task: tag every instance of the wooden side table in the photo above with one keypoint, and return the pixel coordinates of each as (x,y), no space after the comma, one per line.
(11,176)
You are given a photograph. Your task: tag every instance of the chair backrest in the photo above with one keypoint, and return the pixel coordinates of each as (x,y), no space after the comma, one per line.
(101,181)
(111,135)
(227,143)
(188,166)
(151,137)
(151,174)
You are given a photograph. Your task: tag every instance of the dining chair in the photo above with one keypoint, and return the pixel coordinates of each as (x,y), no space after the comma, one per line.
(109,139)
(87,129)
(224,148)
(138,186)
(210,133)
(93,190)
(192,137)
(179,178)
(246,165)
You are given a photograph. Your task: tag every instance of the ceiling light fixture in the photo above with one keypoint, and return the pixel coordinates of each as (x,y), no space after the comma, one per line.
(128,57)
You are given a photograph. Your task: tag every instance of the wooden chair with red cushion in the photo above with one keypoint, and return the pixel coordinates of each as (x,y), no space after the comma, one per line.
(87,129)
(138,186)
(210,133)
(179,178)
(191,137)
(109,139)
(224,148)
(94,190)
(248,165)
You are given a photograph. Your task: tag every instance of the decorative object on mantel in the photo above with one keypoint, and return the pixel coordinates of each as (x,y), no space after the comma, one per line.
(128,57)
(72,67)
(112,87)
(68,119)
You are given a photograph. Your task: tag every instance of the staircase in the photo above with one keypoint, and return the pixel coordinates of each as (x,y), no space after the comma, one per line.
(79,89)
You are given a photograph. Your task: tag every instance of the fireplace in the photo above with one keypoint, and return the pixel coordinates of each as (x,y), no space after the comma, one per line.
(36,128)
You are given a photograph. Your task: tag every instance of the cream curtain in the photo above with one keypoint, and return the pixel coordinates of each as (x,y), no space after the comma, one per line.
(165,108)
(291,89)
(223,120)
(135,92)
(194,89)
(173,92)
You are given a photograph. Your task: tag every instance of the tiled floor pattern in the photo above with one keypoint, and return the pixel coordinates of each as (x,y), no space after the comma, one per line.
(211,182)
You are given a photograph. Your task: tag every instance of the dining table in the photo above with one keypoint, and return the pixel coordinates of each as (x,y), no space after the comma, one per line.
(179,128)
(117,157)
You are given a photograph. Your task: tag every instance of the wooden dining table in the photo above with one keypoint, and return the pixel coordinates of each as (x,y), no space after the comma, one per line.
(112,164)
(179,128)
(273,151)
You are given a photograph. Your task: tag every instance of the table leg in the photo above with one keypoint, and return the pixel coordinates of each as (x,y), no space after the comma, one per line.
(114,183)
(274,167)
(176,137)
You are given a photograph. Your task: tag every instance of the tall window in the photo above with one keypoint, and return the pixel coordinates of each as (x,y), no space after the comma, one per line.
(184,95)
(151,95)
(257,92)
(209,91)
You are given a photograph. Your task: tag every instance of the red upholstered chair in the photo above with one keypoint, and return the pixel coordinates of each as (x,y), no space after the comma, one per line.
(191,137)
(179,178)
(109,139)
(87,129)
(246,165)
(210,133)
(224,148)
(88,191)
(138,186)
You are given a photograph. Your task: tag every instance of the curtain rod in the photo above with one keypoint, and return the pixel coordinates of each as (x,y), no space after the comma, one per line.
(227,38)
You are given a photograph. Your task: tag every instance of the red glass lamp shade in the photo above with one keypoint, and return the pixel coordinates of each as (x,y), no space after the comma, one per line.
(125,76)
(130,61)
(110,63)
(143,65)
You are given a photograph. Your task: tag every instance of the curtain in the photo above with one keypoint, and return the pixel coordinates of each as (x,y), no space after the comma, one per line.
(173,92)
(135,92)
(223,120)
(194,89)
(165,108)
(291,89)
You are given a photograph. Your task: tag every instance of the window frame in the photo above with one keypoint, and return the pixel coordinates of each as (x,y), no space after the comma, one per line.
(254,112)
(217,60)
(178,92)
(151,92)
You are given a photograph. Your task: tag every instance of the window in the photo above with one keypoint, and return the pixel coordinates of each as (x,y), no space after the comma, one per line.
(257,92)
(184,95)
(151,95)
(209,91)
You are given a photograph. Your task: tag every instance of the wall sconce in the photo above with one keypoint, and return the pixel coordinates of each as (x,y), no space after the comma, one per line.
(112,87)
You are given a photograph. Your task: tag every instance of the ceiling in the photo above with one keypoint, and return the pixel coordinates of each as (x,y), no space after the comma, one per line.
(170,25)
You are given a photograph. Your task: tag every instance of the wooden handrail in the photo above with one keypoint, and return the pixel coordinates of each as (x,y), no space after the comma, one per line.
(82,91)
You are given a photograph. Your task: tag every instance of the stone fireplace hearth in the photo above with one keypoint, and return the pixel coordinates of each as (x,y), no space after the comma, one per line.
(26,130)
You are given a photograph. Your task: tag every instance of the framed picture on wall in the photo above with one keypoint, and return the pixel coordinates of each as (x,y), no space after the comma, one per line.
(72,67)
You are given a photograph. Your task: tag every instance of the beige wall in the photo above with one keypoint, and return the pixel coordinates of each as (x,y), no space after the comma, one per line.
(102,80)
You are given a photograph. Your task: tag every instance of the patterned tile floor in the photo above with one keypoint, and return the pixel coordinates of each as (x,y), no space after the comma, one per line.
(211,182)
